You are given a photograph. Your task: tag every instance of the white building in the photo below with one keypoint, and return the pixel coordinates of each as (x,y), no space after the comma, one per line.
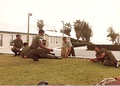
(54,39)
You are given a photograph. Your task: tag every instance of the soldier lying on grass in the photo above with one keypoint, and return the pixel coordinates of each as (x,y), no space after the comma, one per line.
(105,57)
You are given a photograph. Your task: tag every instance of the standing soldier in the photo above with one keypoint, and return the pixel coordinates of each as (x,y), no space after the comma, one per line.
(17,45)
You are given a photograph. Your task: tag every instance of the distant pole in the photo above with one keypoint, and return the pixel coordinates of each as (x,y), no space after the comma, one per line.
(63,28)
(29,14)
(118,39)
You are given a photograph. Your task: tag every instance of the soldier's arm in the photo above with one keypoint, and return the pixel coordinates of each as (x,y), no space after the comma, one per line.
(22,44)
(101,56)
(42,46)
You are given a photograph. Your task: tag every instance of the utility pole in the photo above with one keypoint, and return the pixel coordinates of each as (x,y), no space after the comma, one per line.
(29,14)
(63,28)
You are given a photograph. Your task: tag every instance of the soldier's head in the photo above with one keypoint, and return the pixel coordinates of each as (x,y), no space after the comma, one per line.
(97,48)
(41,32)
(25,44)
(44,42)
(18,36)
(64,39)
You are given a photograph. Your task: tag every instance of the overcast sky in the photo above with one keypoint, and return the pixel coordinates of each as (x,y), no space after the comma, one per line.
(99,13)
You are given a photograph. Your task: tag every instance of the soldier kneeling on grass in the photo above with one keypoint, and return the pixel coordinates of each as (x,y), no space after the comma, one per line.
(104,56)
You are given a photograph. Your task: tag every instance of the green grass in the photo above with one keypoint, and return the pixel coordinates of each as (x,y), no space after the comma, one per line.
(70,71)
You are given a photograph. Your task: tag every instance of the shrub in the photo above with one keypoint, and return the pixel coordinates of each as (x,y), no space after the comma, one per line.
(78,44)
(108,47)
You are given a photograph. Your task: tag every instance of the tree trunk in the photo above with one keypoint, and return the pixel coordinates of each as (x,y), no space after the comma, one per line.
(78,35)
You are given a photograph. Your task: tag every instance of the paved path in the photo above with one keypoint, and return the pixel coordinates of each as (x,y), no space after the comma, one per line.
(82,52)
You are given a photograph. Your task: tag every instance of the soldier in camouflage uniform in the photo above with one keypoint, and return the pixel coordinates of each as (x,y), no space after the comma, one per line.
(104,56)
(66,48)
(25,49)
(17,45)
(37,48)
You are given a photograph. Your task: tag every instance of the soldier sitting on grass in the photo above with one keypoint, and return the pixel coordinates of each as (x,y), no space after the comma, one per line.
(24,50)
(104,56)
(66,48)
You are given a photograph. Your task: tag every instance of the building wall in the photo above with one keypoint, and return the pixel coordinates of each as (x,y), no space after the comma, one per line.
(54,41)
(6,47)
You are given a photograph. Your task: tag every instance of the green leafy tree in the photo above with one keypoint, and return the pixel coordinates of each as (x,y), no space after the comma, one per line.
(82,30)
(40,24)
(86,32)
(67,29)
(78,28)
(112,35)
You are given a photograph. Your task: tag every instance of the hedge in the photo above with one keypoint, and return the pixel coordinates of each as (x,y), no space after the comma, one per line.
(108,47)
(78,44)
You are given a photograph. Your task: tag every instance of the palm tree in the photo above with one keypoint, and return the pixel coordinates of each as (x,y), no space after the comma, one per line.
(40,24)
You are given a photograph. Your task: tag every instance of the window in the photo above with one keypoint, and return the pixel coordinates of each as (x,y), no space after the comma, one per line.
(33,37)
(59,40)
(51,40)
(11,40)
(56,40)
(1,40)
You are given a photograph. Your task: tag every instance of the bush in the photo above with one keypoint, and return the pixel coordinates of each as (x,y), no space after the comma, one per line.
(108,47)
(78,44)
(74,40)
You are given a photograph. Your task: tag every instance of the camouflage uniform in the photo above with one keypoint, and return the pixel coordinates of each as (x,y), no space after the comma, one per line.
(24,51)
(65,48)
(109,58)
(35,49)
(72,52)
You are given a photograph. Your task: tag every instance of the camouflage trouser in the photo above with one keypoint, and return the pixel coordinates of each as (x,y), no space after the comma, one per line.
(109,59)
(15,50)
(50,56)
(72,52)
(64,53)
(34,52)
(108,63)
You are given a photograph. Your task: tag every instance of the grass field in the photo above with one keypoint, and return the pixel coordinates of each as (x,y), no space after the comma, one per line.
(69,71)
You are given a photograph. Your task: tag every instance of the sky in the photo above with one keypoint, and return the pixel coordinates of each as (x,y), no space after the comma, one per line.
(100,14)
